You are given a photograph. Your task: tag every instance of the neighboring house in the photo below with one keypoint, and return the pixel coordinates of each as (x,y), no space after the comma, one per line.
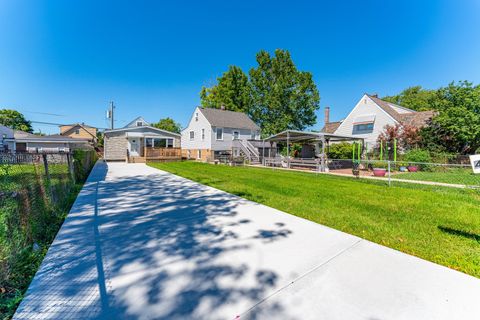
(138,142)
(370,116)
(212,133)
(79,130)
(17,141)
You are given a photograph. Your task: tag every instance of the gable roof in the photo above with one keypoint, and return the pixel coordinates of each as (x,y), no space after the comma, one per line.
(228,119)
(77,124)
(409,117)
(141,127)
(133,123)
(81,125)
(331,127)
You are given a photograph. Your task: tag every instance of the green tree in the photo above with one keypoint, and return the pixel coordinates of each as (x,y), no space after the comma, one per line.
(15,120)
(232,91)
(456,127)
(283,97)
(168,124)
(415,98)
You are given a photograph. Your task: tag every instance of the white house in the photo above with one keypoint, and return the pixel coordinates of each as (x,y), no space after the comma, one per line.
(370,116)
(138,141)
(215,132)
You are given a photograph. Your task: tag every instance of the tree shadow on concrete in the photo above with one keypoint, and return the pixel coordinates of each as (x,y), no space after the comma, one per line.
(151,247)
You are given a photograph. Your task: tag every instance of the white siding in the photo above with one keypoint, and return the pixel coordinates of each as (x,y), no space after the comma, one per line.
(366,106)
(226,143)
(197,126)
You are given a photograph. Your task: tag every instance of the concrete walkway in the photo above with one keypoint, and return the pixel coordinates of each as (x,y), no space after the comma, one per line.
(140,243)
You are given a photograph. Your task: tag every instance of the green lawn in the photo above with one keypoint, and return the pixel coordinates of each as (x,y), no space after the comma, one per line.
(438,224)
(455,176)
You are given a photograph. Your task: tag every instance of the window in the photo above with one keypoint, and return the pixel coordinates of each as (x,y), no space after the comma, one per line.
(253,135)
(149,143)
(362,128)
(219,133)
(192,135)
(139,123)
(169,143)
(77,131)
(196,116)
(159,143)
(203,134)
(199,154)
(236,135)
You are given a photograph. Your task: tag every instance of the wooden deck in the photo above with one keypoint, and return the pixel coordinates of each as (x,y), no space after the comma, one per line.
(157,154)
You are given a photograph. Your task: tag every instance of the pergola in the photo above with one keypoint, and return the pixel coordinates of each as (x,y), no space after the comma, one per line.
(294,136)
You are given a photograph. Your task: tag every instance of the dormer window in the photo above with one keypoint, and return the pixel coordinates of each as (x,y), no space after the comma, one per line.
(139,123)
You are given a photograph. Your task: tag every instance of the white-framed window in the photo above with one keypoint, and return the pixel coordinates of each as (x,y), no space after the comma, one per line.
(236,135)
(203,134)
(192,135)
(236,152)
(77,131)
(139,123)
(169,143)
(219,133)
(253,135)
(196,116)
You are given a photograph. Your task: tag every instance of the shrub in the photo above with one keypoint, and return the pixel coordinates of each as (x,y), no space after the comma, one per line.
(342,150)
(418,155)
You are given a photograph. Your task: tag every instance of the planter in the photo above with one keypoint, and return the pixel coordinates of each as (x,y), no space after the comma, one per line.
(412,168)
(379,172)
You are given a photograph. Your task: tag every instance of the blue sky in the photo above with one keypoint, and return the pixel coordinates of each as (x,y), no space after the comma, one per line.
(70,58)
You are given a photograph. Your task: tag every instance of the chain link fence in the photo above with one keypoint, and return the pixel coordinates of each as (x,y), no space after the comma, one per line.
(441,174)
(36,192)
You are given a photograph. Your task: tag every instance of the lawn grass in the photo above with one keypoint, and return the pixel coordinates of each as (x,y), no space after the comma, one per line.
(454,176)
(437,224)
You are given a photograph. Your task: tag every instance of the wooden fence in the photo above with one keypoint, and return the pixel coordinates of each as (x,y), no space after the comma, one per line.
(163,153)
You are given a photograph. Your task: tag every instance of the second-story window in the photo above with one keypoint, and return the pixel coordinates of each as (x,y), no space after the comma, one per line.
(196,116)
(219,133)
(236,135)
(203,134)
(192,135)
(139,123)
(77,131)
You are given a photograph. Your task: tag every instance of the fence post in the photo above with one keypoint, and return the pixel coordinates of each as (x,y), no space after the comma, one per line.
(45,164)
(70,167)
(389,181)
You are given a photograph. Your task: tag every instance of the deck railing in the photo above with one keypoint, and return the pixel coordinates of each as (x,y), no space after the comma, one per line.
(163,153)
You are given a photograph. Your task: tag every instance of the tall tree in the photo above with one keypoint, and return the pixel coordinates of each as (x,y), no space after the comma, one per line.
(15,120)
(415,98)
(168,124)
(283,97)
(232,91)
(456,128)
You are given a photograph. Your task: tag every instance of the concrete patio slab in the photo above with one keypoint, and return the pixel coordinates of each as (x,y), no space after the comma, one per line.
(140,243)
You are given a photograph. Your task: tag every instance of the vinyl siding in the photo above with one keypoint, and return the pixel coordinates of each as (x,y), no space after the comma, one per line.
(362,109)
(197,126)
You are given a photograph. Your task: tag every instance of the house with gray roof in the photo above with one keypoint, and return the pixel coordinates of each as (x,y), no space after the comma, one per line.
(138,141)
(369,117)
(212,133)
(17,141)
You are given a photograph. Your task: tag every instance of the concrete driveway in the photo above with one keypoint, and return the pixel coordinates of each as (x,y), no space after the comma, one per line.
(140,243)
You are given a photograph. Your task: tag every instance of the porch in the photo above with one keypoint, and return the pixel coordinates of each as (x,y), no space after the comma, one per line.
(152,148)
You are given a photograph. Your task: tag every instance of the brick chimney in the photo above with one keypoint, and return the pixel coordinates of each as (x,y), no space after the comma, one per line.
(327,115)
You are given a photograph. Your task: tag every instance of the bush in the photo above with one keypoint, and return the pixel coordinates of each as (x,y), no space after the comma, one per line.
(418,155)
(342,150)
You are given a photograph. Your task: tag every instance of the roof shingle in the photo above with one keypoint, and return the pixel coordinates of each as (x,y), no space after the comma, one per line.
(228,119)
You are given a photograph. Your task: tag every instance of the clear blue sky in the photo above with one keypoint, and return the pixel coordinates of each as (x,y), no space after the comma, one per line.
(70,58)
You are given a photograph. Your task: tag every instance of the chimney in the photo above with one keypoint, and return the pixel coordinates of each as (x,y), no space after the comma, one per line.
(375,95)
(327,115)
(222,107)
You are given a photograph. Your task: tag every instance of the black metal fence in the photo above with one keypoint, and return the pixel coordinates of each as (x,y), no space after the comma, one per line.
(36,192)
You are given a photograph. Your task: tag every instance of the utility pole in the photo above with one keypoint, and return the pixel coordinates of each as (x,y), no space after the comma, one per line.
(112,107)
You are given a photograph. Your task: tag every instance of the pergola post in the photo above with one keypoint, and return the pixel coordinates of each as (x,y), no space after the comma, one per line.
(263,152)
(288,149)
(323,153)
